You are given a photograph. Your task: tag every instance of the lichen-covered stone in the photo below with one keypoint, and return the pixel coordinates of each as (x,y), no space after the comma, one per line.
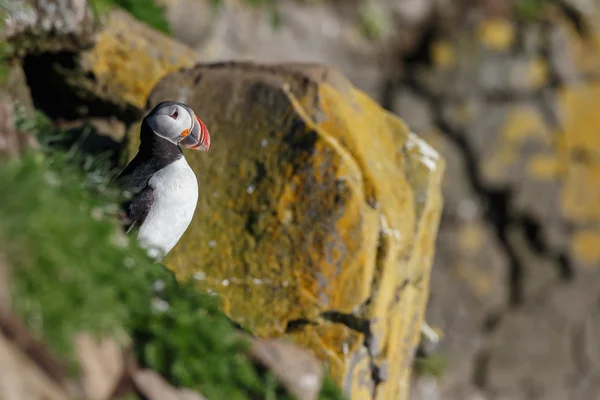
(36,26)
(315,205)
(78,65)
(129,58)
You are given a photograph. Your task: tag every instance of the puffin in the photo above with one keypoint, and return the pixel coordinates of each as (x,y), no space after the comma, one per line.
(160,186)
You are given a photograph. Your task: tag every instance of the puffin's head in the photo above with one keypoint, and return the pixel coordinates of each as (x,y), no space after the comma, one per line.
(178,124)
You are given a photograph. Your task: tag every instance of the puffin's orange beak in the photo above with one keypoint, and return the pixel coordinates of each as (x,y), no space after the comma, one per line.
(198,138)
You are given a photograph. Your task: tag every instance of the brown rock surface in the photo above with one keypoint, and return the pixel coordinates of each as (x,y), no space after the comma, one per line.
(317,215)
(20,378)
(153,387)
(295,368)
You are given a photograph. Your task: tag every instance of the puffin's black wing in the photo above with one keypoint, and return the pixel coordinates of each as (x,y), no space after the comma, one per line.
(134,180)
(138,207)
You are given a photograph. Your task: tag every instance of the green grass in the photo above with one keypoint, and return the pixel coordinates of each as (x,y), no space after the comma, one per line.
(72,270)
(147,11)
(69,276)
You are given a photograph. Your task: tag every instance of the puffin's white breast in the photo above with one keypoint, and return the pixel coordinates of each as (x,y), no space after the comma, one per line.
(175,199)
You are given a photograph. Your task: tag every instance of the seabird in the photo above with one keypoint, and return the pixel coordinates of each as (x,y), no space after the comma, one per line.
(163,188)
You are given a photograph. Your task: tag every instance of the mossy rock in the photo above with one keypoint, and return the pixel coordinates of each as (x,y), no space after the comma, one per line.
(317,215)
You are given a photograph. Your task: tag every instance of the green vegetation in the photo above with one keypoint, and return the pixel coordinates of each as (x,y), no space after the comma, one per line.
(532,9)
(73,270)
(372,21)
(146,11)
(433,365)
(330,390)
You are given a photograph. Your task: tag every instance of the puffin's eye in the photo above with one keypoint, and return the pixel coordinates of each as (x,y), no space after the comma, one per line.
(175,114)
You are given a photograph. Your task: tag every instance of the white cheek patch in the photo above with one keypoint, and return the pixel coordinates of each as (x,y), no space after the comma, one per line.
(186,121)
(166,127)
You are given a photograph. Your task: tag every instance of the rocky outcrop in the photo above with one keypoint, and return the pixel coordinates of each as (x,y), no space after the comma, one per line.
(79,65)
(317,216)
(319,209)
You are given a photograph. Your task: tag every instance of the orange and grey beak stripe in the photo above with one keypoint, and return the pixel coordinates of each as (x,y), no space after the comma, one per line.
(198,138)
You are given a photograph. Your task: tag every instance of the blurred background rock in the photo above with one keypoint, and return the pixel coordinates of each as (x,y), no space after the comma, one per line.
(509,93)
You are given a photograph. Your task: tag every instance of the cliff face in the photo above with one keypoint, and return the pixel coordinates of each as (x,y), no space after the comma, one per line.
(505,91)
(318,211)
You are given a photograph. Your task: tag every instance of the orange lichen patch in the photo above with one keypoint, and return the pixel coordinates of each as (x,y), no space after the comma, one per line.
(423,166)
(129,58)
(471,238)
(356,121)
(348,119)
(525,123)
(545,167)
(496,34)
(443,54)
(585,245)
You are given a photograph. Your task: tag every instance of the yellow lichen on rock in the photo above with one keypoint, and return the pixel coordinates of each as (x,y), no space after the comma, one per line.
(579,105)
(497,34)
(579,151)
(129,58)
(543,167)
(585,244)
(525,123)
(538,73)
(315,204)
(442,54)
(343,351)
